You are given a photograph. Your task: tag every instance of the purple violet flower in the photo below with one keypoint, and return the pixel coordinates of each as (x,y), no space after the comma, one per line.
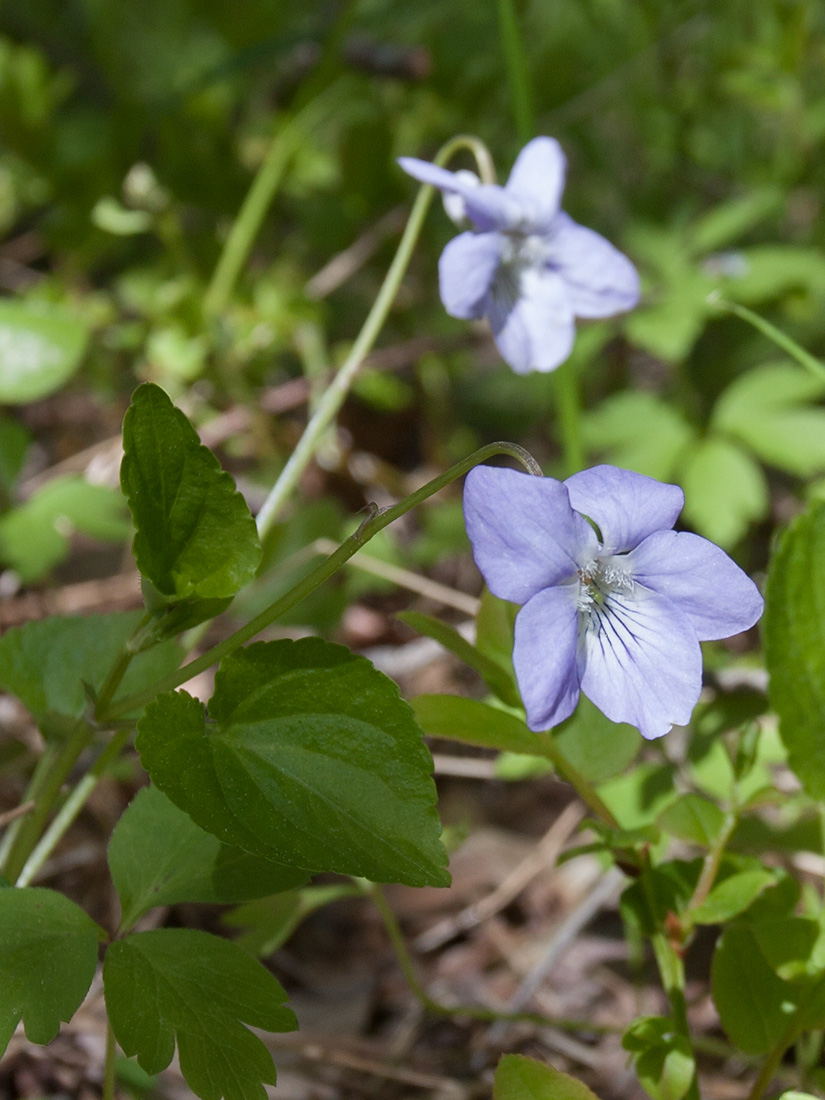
(526,265)
(617,613)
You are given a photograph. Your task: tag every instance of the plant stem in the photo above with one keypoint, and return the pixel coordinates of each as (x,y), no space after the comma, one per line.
(41,770)
(710,867)
(109,1064)
(672,973)
(333,399)
(59,771)
(71,808)
(371,526)
(121,665)
(583,787)
(259,198)
(770,1066)
(518,72)
(568,409)
(473,1012)
(777,336)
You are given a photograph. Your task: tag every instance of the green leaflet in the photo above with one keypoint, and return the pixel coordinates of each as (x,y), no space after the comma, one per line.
(195,537)
(174,984)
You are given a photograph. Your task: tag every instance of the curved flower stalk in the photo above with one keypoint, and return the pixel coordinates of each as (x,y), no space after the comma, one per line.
(525,264)
(615,607)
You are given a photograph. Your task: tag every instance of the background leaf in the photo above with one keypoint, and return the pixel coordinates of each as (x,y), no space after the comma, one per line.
(794,628)
(48,955)
(40,349)
(159,856)
(769,410)
(194,534)
(521,1078)
(45,663)
(35,535)
(310,758)
(725,490)
(175,984)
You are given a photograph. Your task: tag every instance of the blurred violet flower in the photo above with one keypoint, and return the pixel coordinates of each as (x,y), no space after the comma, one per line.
(525,264)
(618,612)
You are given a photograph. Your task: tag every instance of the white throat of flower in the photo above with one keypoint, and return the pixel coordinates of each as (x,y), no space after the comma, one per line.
(599,580)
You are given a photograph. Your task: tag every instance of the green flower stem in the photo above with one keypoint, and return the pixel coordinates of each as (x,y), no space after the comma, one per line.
(518,70)
(59,771)
(335,395)
(777,336)
(568,409)
(548,746)
(371,526)
(472,1012)
(771,1065)
(668,960)
(72,807)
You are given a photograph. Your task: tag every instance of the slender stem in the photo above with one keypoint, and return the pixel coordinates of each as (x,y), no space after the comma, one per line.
(568,408)
(334,397)
(71,808)
(781,339)
(371,526)
(38,778)
(120,667)
(586,791)
(259,198)
(770,1066)
(109,1064)
(710,867)
(473,1012)
(32,825)
(518,72)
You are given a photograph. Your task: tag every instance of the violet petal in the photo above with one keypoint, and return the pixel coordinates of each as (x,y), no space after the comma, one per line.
(466,270)
(531,318)
(643,664)
(525,535)
(695,575)
(544,656)
(537,181)
(600,279)
(626,506)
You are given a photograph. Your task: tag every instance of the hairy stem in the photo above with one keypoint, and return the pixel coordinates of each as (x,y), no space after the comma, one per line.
(331,402)
(371,526)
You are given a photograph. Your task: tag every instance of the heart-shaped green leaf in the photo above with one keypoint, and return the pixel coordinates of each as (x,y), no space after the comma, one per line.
(310,758)
(159,856)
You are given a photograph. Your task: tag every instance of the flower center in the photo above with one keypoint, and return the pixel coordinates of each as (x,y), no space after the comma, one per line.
(522,250)
(598,580)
